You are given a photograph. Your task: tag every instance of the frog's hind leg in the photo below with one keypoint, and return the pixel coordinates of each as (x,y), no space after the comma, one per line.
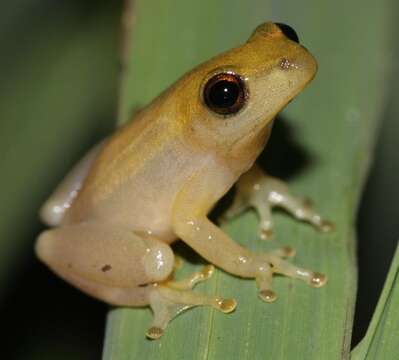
(171,298)
(262,192)
(124,268)
(108,262)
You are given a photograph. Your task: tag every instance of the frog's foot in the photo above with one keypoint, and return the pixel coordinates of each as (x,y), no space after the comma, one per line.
(272,263)
(193,279)
(171,298)
(257,190)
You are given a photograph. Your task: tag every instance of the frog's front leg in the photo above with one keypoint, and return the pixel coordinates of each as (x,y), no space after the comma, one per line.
(191,224)
(124,268)
(260,191)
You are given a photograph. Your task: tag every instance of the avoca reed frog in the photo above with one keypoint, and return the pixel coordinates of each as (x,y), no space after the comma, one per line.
(156,178)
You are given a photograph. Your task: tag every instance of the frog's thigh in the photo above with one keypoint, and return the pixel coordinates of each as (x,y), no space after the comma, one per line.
(106,261)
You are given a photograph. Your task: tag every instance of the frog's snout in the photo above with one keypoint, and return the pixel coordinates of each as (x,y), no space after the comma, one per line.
(278,44)
(304,61)
(307,64)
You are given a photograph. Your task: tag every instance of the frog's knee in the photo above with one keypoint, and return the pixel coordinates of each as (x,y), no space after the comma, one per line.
(158,261)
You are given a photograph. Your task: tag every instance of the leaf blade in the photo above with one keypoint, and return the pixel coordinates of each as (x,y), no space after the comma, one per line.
(309,322)
(380,341)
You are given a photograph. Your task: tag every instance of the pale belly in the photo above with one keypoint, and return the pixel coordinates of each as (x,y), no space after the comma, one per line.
(144,201)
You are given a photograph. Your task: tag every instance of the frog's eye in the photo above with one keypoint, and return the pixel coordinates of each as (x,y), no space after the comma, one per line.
(225,93)
(289,32)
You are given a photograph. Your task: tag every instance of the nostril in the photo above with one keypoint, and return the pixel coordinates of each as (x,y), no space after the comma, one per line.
(289,32)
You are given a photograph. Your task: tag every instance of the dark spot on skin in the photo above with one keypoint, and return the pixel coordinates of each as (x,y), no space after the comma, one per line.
(106,268)
(285,64)
(69,265)
(142,285)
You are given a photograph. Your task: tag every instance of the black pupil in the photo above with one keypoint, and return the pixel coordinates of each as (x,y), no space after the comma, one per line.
(224,94)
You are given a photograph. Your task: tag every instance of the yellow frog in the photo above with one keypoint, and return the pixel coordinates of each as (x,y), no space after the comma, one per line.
(156,178)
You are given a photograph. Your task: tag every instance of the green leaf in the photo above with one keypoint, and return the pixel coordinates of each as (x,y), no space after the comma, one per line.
(381,340)
(333,122)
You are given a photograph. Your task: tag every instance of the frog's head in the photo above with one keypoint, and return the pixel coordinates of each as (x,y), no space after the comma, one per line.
(230,101)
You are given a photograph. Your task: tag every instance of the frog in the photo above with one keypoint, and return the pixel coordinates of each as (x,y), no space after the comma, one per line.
(155,180)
